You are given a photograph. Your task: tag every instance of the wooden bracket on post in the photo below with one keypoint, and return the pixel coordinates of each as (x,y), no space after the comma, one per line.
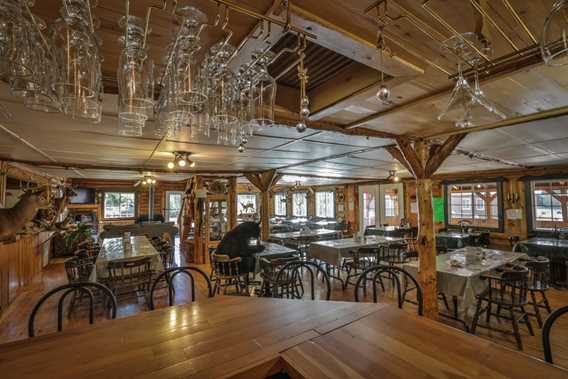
(264,181)
(423,161)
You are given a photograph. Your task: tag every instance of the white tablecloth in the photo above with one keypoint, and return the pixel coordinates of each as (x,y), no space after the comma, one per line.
(465,282)
(334,250)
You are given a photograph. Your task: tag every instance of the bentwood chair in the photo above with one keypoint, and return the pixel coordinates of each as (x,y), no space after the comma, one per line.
(169,276)
(269,271)
(358,262)
(291,280)
(401,280)
(393,254)
(506,291)
(539,283)
(90,289)
(547,328)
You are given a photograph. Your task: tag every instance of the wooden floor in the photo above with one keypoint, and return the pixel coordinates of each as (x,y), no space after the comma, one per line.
(13,324)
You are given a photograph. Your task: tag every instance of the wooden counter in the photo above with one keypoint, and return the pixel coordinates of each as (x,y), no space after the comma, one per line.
(244,337)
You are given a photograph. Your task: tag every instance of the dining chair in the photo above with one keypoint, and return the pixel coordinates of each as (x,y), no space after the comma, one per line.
(539,284)
(507,291)
(79,269)
(400,278)
(393,254)
(358,261)
(293,278)
(130,276)
(169,276)
(547,328)
(269,271)
(90,289)
(227,273)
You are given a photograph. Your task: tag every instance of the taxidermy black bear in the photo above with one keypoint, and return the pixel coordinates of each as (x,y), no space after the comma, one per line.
(238,243)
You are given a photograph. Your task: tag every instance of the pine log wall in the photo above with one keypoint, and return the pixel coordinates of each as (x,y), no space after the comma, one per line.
(20,265)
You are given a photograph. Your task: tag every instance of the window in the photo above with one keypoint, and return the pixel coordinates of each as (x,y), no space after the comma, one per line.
(119,204)
(369,209)
(299,204)
(391,203)
(474,204)
(173,205)
(280,204)
(246,203)
(325,204)
(549,204)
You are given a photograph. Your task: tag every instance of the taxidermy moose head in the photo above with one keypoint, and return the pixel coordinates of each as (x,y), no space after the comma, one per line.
(12,220)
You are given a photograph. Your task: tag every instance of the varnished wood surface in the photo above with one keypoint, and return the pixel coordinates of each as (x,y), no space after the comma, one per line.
(186,340)
(394,344)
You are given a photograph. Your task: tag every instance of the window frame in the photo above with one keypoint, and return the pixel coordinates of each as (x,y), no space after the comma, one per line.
(120,191)
(305,193)
(334,212)
(500,203)
(256,207)
(529,201)
(276,195)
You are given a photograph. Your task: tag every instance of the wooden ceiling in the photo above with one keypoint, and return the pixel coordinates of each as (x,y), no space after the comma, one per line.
(345,71)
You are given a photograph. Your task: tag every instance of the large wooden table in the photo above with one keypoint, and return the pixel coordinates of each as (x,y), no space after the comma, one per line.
(244,337)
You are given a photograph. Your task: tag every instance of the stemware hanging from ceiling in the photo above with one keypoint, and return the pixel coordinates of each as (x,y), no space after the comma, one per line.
(468,106)
(263,93)
(555,31)
(79,77)
(135,76)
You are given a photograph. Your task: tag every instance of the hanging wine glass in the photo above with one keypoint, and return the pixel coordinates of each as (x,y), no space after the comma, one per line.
(135,75)
(263,94)
(557,18)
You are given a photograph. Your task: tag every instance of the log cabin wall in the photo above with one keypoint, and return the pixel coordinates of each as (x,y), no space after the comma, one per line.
(142,194)
(512,183)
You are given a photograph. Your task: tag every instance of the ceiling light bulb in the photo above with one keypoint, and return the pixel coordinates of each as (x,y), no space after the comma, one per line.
(396,179)
(182,162)
(301,127)
(192,164)
(171,165)
(153,181)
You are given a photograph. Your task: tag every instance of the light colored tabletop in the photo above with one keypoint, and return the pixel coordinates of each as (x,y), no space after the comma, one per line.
(548,242)
(231,335)
(113,249)
(210,338)
(394,344)
(296,235)
(351,243)
(495,258)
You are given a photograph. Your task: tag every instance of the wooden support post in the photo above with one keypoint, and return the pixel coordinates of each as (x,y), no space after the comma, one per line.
(232,202)
(264,182)
(422,161)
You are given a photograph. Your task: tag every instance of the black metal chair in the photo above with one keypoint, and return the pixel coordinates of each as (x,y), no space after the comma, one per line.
(358,262)
(87,288)
(393,254)
(513,240)
(269,272)
(169,275)
(291,282)
(539,283)
(374,275)
(507,291)
(546,329)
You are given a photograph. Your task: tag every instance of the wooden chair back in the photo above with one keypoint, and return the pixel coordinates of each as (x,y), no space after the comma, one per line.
(132,272)
(539,274)
(225,267)
(510,288)
(79,269)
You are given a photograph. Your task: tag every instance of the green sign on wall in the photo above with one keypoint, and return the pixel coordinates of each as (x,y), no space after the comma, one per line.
(438,209)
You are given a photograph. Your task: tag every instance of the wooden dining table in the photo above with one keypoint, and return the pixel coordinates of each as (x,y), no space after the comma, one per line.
(249,337)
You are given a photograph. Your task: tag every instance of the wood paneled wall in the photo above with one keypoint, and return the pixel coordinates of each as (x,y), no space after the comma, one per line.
(20,265)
